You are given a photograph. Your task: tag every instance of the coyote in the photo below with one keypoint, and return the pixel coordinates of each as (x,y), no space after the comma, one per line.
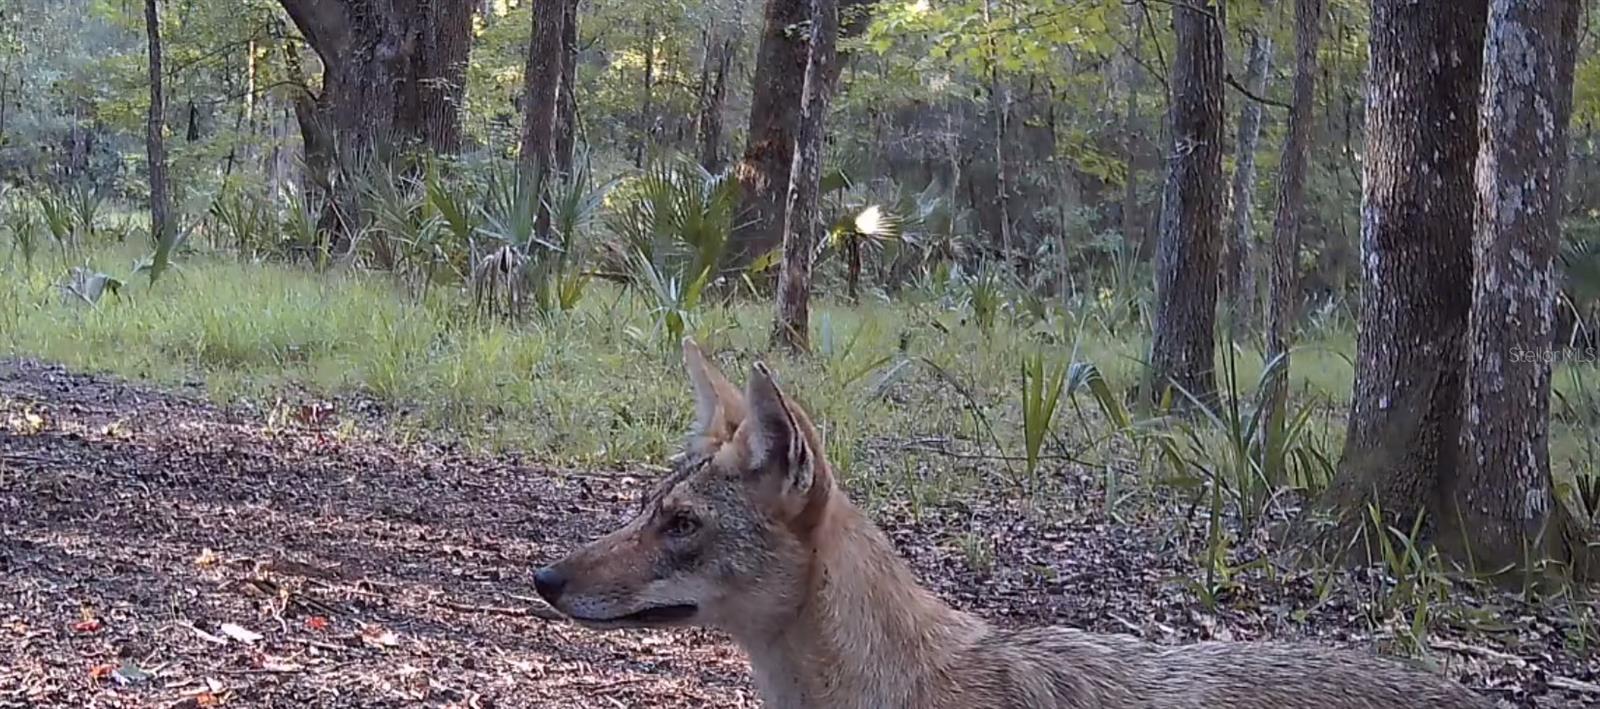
(751,536)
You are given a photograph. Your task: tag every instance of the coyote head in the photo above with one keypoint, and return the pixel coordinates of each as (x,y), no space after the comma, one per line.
(725,540)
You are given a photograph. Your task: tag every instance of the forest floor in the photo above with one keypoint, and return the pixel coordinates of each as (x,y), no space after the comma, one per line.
(159,551)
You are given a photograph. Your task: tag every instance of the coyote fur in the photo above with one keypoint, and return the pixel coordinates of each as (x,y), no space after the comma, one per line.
(751,536)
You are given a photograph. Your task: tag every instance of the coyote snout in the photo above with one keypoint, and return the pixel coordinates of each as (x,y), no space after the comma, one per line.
(720,542)
(750,535)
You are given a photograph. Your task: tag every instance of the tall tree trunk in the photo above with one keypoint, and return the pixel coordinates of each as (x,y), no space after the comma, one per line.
(1504,497)
(541,84)
(5,88)
(769,148)
(566,137)
(1238,274)
(1000,114)
(1182,350)
(1282,310)
(1132,76)
(763,170)
(155,126)
(713,98)
(393,71)
(647,111)
(792,326)
(1416,237)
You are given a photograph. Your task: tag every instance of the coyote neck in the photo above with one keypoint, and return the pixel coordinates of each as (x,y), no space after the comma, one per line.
(867,634)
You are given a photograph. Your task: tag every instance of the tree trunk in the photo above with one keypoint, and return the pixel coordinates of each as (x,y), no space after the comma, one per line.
(763,171)
(647,111)
(1504,498)
(541,84)
(1182,350)
(1238,274)
(792,326)
(155,126)
(1416,235)
(1132,77)
(393,72)
(1282,304)
(1000,113)
(713,99)
(566,137)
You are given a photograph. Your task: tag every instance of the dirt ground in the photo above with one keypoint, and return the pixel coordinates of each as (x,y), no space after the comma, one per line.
(156,551)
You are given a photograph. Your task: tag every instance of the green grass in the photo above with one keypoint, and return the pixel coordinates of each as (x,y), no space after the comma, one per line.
(595,386)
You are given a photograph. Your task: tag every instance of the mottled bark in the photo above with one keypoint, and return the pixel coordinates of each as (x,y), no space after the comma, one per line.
(1182,349)
(1504,498)
(393,71)
(1000,118)
(1284,297)
(779,82)
(566,137)
(713,98)
(155,127)
(791,328)
(763,171)
(541,83)
(1416,234)
(644,133)
(1238,271)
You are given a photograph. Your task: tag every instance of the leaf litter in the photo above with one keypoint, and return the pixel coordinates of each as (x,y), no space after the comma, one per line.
(234,561)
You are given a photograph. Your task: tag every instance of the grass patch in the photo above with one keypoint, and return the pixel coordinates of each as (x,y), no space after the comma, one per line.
(596,385)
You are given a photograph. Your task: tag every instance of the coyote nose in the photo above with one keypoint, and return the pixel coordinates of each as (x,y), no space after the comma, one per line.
(549,583)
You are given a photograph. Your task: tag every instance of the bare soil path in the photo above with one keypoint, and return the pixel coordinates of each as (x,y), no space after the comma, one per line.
(157,551)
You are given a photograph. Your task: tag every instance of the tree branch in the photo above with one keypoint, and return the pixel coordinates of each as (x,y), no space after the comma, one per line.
(324,24)
(1229,80)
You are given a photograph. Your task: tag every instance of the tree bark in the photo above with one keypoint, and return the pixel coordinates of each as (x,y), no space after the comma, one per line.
(792,326)
(713,99)
(1504,499)
(1182,350)
(645,131)
(1000,114)
(155,126)
(566,137)
(1416,235)
(541,84)
(393,72)
(1282,304)
(1238,274)
(763,170)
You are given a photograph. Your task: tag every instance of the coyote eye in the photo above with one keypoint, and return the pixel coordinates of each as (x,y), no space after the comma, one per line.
(682,524)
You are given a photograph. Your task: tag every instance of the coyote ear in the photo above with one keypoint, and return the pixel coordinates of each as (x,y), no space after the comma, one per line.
(773,437)
(718,406)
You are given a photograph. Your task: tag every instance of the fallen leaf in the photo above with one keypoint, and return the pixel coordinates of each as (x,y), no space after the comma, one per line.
(90,625)
(272,665)
(379,636)
(99,672)
(206,558)
(206,699)
(130,673)
(239,633)
(208,637)
(317,623)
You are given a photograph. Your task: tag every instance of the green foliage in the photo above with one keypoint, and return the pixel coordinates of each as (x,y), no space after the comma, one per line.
(245,218)
(1041,390)
(19,221)
(677,216)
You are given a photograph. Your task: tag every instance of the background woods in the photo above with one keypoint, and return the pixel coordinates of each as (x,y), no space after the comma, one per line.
(1299,296)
